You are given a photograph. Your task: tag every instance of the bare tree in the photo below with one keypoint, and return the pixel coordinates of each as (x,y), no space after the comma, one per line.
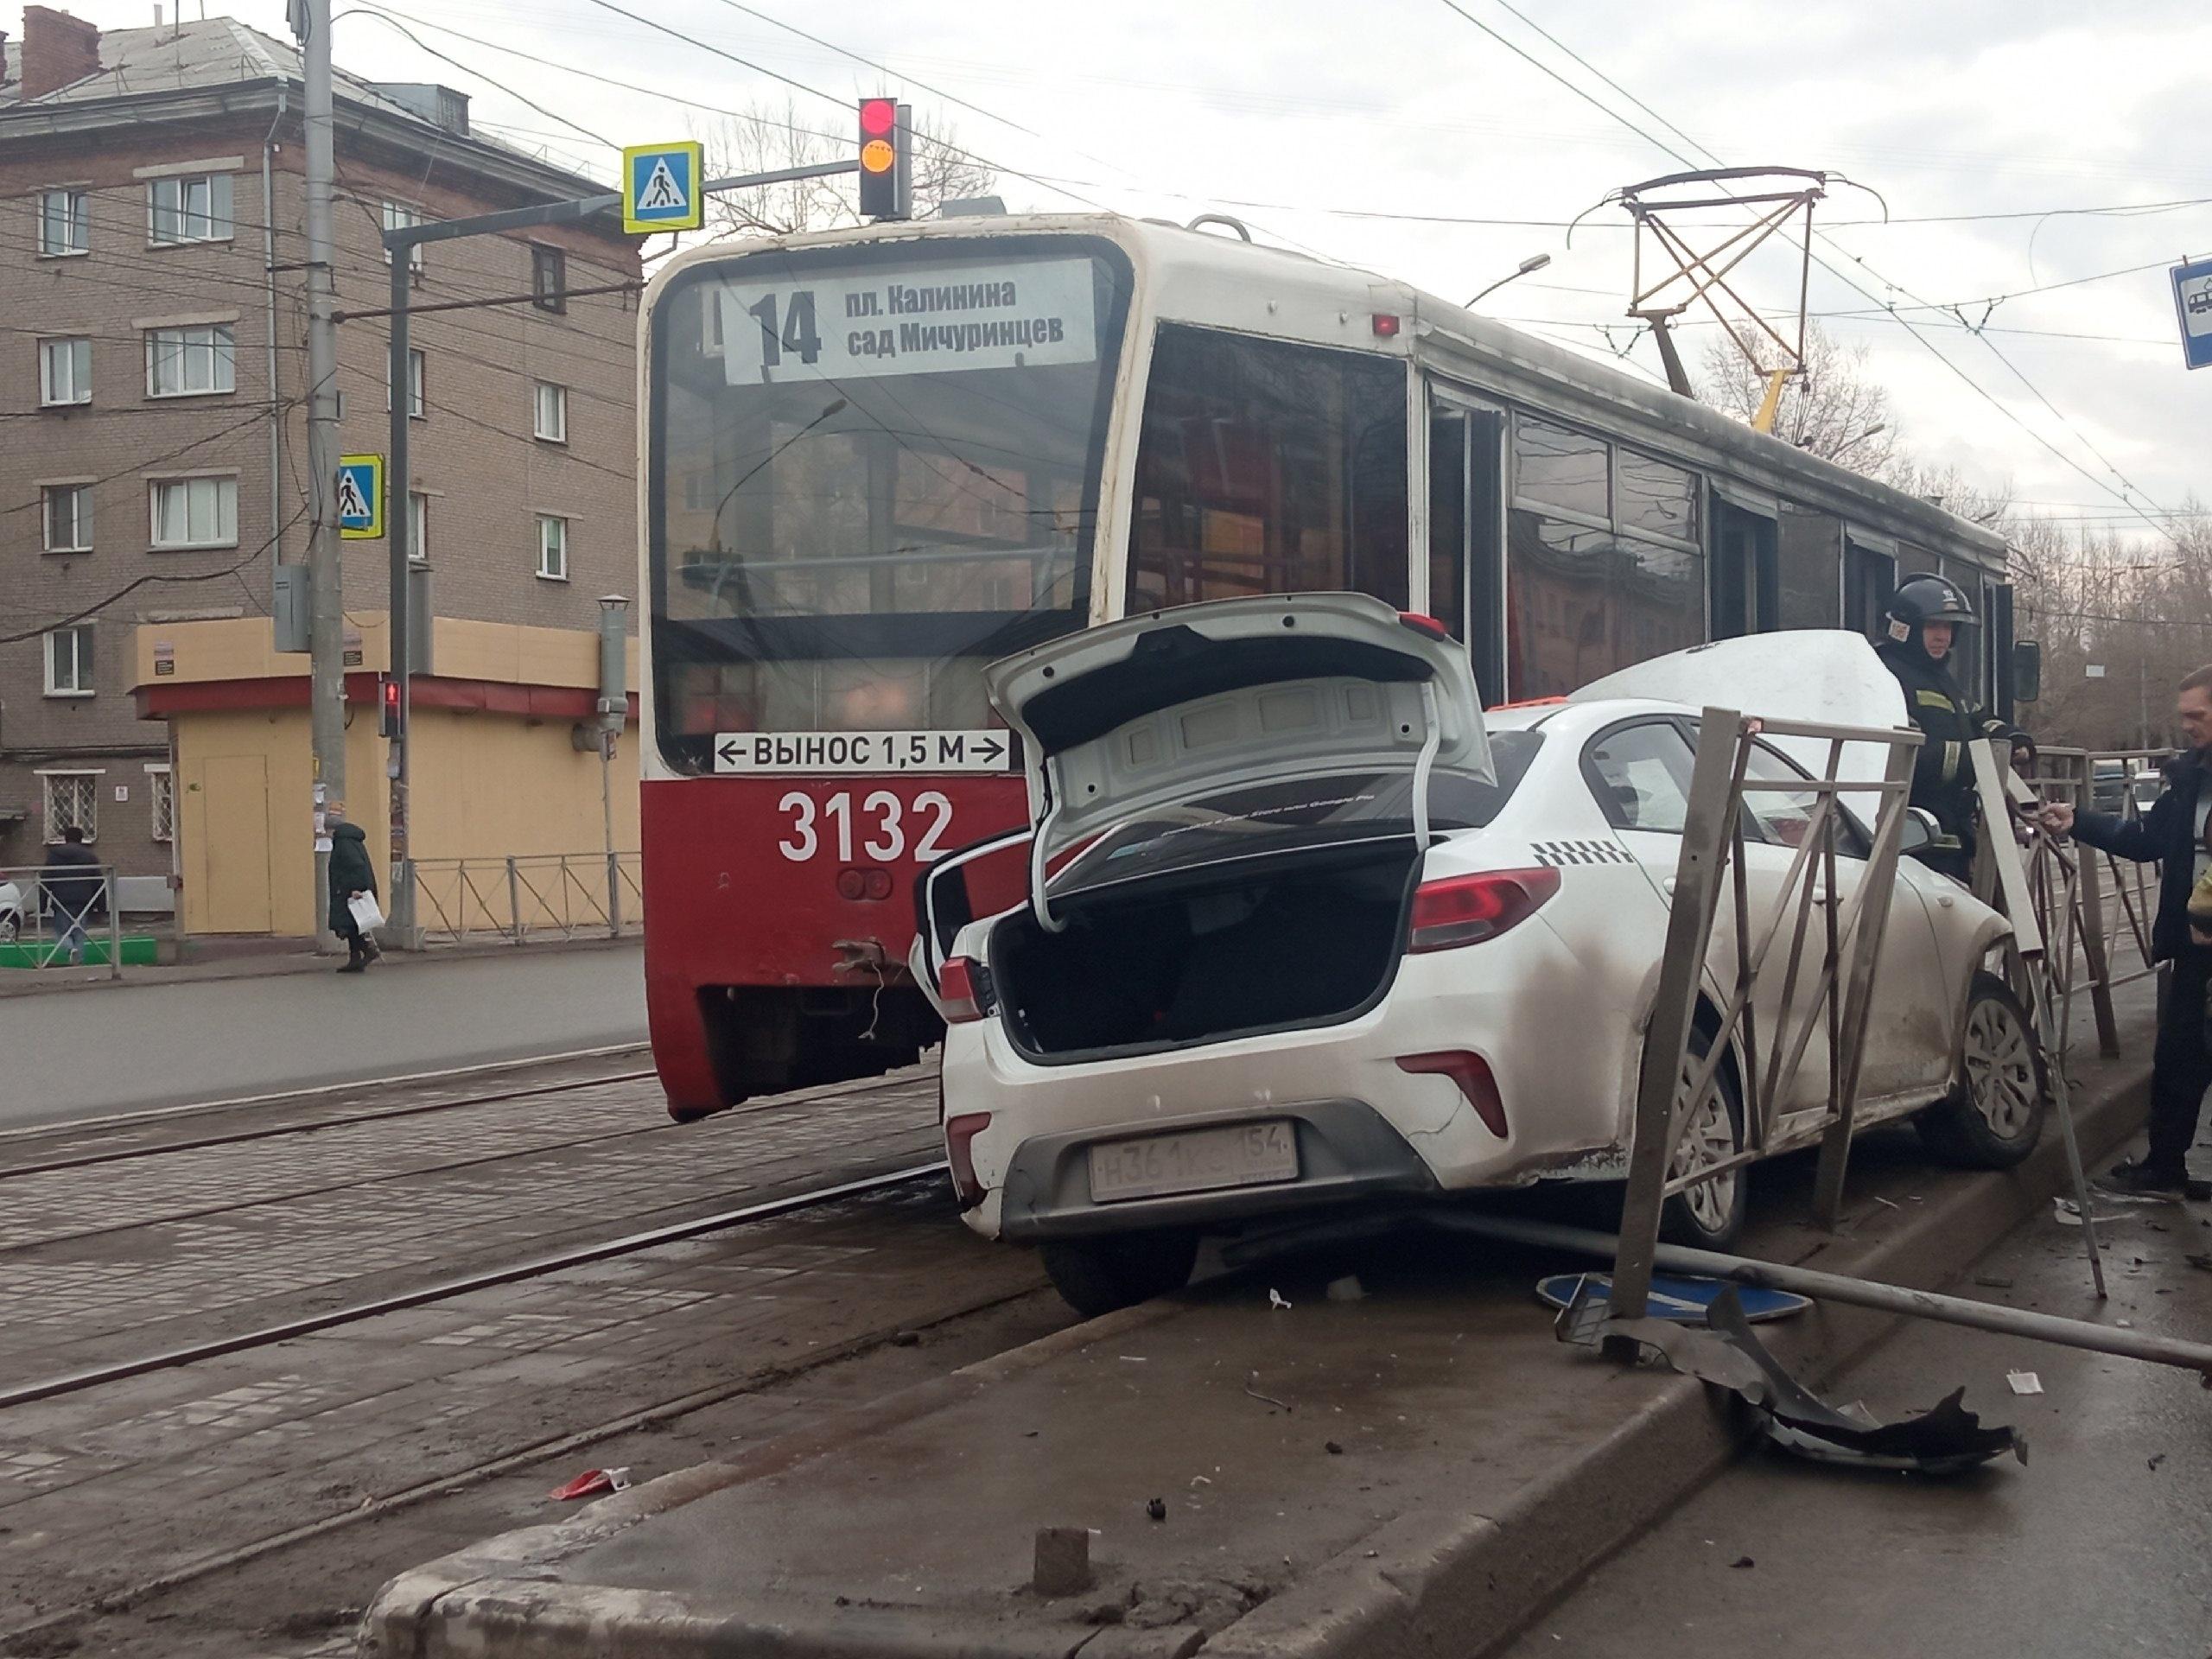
(1833,409)
(762,138)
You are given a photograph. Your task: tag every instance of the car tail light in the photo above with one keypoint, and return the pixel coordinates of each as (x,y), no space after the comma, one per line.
(1473,1073)
(960,1134)
(1467,909)
(963,988)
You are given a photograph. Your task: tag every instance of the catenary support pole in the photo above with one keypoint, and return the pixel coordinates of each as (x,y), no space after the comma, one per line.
(326,576)
(399,483)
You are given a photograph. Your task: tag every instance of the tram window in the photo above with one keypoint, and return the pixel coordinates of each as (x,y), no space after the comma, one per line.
(1812,568)
(1869,578)
(1582,602)
(1654,497)
(1554,467)
(1745,572)
(1268,467)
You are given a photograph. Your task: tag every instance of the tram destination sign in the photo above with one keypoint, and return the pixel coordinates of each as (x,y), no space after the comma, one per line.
(849,751)
(1008,315)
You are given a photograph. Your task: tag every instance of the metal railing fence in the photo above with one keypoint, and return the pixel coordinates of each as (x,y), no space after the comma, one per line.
(53,917)
(565,895)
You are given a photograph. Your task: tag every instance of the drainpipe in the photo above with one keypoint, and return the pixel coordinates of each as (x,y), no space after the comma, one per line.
(269,285)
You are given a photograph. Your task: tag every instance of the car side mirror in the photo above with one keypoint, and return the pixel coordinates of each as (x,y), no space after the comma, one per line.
(2027,670)
(1920,830)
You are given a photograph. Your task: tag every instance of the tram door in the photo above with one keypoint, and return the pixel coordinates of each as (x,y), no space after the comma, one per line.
(1466,551)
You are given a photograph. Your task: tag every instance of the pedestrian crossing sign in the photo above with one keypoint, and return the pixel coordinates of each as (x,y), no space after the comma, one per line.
(660,187)
(360,497)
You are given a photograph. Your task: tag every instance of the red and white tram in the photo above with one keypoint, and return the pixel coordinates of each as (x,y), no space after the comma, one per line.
(875,459)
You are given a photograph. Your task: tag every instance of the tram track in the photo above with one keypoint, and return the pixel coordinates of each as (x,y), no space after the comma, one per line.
(529,1267)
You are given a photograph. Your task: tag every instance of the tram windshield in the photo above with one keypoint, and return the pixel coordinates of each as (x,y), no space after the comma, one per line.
(872,471)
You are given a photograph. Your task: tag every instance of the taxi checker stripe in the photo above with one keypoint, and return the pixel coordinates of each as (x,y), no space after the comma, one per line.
(1551,854)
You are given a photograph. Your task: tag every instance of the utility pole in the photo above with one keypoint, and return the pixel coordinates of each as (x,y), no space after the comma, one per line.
(326,578)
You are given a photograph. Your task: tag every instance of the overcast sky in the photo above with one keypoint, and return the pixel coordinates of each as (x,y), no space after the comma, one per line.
(1321,112)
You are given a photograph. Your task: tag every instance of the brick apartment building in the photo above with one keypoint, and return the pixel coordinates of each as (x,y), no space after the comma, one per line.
(153,435)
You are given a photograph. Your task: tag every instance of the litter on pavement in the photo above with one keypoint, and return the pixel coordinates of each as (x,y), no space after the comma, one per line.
(1726,1354)
(591,1484)
(2023,1381)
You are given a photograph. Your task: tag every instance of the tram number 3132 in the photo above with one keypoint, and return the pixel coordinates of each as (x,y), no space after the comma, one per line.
(876,828)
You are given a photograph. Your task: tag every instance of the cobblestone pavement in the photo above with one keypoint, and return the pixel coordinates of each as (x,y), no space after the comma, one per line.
(129,1483)
(120,1258)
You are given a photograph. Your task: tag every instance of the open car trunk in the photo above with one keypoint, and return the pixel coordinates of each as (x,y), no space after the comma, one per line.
(1202,955)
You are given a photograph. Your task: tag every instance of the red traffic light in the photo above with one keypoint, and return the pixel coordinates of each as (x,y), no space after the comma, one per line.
(886,185)
(879,116)
(389,724)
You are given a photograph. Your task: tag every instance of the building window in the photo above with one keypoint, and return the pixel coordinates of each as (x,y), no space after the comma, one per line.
(552,548)
(398,216)
(418,524)
(64,223)
(418,401)
(548,279)
(65,372)
(189,209)
(191,362)
(69,661)
(161,788)
(552,422)
(196,513)
(68,517)
(73,800)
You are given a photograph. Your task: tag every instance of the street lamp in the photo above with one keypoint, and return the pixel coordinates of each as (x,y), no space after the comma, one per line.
(1878,426)
(1534,262)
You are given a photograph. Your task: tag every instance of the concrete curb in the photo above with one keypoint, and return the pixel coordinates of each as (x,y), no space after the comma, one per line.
(282,965)
(1429,1580)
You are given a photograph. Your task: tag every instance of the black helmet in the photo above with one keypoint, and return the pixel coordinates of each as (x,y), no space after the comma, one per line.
(1926,599)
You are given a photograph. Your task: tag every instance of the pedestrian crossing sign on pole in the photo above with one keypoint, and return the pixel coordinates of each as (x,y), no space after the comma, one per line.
(660,187)
(360,497)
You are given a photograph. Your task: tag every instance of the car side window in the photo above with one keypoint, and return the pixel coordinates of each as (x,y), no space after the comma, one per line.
(1641,776)
(1784,817)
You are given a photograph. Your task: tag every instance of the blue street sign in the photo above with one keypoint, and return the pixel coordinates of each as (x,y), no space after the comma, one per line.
(360,497)
(1677,1297)
(2193,304)
(660,187)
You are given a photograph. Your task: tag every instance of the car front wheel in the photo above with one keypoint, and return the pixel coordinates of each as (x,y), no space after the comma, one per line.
(1707,1217)
(1096,1275)
(1992,1117)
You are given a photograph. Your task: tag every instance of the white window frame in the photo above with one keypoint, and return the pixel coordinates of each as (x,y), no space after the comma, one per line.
(224,492)
(553,549)
(74,386)
(86,787)
(160,802)
(399,216)
(211,348)
(418,381)
(209,219)
(83,658)
(418,525)
(553,429)
(80,517)
(76,217)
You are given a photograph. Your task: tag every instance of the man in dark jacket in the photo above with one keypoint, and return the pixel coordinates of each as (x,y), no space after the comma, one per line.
(350,875)
(2173,833)
(75,889)
(1921,625)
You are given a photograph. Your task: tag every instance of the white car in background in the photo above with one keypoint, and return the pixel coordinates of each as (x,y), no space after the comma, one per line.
(11,912)
(1317,931)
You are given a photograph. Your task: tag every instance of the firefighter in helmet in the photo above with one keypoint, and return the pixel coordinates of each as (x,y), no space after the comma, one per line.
(1920,638)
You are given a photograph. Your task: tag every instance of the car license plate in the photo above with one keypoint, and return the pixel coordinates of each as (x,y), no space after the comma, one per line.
(1196,1160)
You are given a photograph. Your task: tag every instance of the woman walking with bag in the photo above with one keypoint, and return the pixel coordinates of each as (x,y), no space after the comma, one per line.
(351,876)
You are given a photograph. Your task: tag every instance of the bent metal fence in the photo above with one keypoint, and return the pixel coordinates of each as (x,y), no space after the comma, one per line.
(54,918)
(533,896)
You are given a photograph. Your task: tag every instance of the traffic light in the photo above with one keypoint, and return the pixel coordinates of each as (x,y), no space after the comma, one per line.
(887,176)
(388,703)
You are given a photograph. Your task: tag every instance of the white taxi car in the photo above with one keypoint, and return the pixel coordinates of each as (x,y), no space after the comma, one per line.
(1304,927)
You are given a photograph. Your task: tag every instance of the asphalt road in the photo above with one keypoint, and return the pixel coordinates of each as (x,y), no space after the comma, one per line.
(85,1053)
(2098,1546)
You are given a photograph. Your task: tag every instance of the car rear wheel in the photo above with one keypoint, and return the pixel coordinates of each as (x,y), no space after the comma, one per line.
(1993,1116)
(1096,1275)
(1707,1217)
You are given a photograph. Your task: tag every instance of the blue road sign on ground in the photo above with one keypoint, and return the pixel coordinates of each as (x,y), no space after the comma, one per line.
(1677,1297)
(2193,302)
(660,187)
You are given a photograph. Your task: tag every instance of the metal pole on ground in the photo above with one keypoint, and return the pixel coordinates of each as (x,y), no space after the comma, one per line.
(613,707)
(114,923)
(326,614)
(400,251)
